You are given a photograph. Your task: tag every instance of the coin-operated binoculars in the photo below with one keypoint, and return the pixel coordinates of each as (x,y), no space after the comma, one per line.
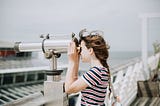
(52,48)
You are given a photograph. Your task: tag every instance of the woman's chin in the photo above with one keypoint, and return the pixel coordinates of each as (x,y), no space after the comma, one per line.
(84,61)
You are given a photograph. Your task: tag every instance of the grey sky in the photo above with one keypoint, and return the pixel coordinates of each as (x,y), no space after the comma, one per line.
(25,20)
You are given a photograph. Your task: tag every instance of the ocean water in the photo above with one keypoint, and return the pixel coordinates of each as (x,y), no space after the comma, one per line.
(115,58)
(119,57)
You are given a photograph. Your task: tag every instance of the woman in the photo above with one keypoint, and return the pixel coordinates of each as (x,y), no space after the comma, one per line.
(94,82)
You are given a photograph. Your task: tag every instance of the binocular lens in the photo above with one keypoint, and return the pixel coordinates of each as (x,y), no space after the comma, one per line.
(79,49)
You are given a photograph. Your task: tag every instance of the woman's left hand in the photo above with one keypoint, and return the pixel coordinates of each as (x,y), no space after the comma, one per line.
(117,100)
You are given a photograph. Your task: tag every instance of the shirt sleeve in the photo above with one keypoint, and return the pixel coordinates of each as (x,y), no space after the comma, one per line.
(92,77)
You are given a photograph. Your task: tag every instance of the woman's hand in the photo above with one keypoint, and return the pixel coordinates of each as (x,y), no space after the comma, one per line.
(117,100)
(72,71)
(73,55)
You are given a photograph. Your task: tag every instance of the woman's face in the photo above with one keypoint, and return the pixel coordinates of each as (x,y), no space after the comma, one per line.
(85,54)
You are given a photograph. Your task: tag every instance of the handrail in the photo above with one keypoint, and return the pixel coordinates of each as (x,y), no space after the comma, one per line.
(115,69)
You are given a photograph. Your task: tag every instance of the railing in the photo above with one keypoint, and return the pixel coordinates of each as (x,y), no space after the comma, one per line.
(125,83)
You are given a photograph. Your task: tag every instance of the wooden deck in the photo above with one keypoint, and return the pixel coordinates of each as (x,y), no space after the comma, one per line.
(146,101)
(10,95)
(148,92)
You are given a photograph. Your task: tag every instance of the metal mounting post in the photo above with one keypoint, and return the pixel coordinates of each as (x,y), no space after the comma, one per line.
(54,86)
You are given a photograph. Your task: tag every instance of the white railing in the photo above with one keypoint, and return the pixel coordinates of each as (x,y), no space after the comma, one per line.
(125,84)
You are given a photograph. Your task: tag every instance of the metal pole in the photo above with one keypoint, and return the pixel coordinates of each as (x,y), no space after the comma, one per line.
(144,45)
(53,87)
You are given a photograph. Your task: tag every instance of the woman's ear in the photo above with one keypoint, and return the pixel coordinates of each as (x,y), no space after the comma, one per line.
(91,51)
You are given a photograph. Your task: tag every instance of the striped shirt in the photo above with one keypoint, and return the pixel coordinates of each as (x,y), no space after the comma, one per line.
(97,80)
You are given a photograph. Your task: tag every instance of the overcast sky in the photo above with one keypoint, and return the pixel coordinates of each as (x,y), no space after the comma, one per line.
(25,20)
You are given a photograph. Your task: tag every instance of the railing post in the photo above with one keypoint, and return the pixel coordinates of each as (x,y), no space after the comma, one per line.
(144,46)
(145,17)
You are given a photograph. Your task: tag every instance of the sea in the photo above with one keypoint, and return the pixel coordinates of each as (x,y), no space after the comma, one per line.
(115,58)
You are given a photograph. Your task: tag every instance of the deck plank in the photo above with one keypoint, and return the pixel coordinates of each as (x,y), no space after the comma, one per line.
(153,101)
(10,94)
(143,101)
(157,103)
(146,101)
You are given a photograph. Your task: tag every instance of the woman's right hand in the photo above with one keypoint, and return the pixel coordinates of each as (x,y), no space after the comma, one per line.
(73,55)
